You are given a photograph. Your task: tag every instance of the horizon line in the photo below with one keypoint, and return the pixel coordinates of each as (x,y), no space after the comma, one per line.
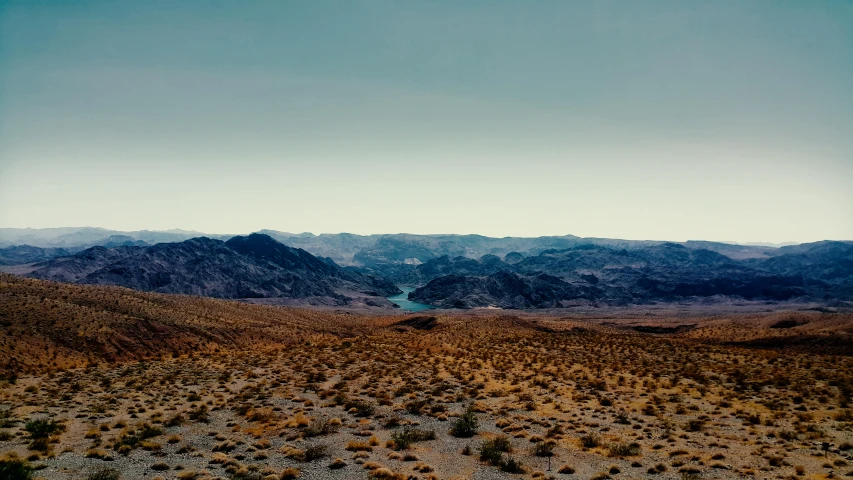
(203,233)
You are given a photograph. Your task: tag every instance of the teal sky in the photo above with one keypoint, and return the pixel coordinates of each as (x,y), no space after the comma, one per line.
(719,120)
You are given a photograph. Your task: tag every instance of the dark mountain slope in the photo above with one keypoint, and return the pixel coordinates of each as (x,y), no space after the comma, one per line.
(505,290)
(256,266)
(23,254)
(826,267)
(264,248)
(593,273)
(485,265)
(821,260)
(73,268)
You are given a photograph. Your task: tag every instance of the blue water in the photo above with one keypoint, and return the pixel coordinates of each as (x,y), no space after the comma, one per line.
(403,301)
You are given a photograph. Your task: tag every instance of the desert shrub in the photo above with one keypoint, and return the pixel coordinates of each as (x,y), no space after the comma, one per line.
(15,469)
(174,420)
(289,474)
(315,452)
(623,449)
(404,390)
(42,428)
(39,445)
(415,406)
(590,440)
(354,446)
(491,451)
(318,427)
(199,414)
(224,446)
(131,441)
(362,408)
(511,465)
(104,473)
(490,454)
(466,425)
(543,449)
(696,425)
(260,415)
(244,474)
(383,473)
(147,431)
(402,440)
(501,443)
(393,421)
(187,475)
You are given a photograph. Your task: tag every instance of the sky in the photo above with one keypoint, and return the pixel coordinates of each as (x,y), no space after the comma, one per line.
(676,120)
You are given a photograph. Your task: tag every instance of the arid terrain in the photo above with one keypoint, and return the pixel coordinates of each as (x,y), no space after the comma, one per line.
(103,382)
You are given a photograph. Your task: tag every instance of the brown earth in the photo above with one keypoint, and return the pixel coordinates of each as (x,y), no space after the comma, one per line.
(233,390)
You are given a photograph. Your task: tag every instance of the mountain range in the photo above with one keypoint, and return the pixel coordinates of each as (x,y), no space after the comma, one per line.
(348,249)
(451,271)
(593,274)
(244,267)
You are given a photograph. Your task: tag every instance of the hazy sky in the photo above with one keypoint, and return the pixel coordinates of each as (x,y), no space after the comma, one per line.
(718,120)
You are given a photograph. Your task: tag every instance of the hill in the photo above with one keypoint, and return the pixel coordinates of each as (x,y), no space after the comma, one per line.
(46,325)
(256,267)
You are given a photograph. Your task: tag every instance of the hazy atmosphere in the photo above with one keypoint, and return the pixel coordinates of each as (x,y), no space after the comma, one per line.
(426,239)
(679,120)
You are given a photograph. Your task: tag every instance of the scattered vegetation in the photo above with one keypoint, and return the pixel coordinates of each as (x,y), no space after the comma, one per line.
(15,469)
(466,425)
(298,388)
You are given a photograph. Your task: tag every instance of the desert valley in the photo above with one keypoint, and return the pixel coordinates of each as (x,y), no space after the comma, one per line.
(426,240)
(315,374)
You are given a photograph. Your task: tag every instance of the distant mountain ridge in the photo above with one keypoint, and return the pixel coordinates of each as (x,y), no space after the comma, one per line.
(254,266)
(348,249)
(590,274)
(76,237)
(450,270)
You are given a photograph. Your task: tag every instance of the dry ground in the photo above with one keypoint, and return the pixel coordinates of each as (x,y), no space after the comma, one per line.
(102,381)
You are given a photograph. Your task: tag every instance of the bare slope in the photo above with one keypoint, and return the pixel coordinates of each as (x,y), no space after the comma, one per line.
(47,324)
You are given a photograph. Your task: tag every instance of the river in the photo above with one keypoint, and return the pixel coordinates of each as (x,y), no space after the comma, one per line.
(403,301)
